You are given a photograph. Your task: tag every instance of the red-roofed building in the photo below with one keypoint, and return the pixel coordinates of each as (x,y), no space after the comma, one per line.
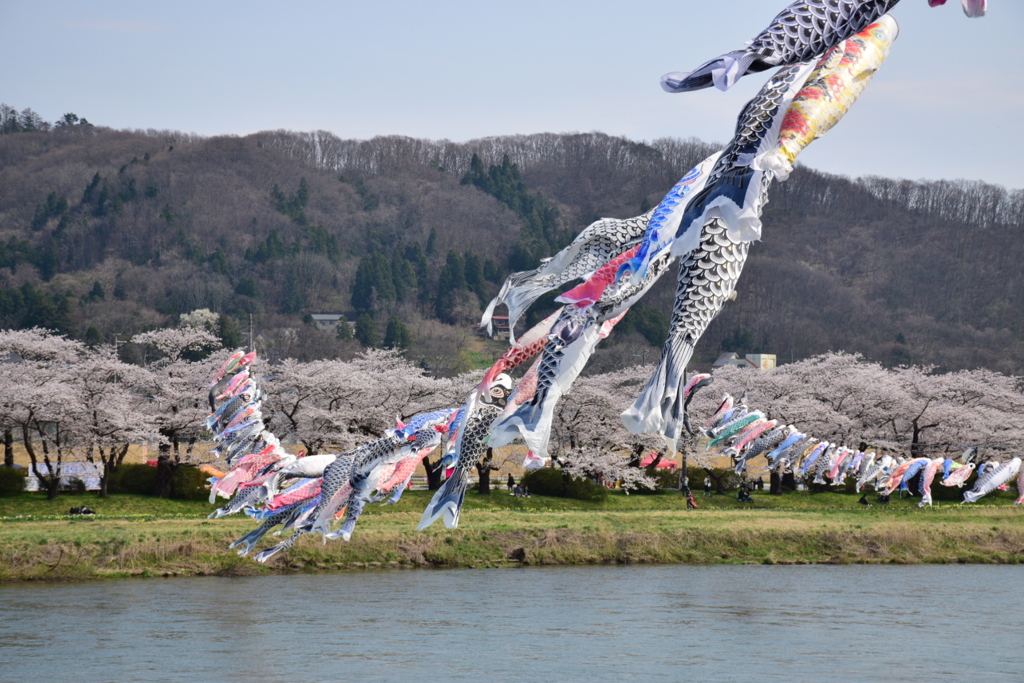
(500,323)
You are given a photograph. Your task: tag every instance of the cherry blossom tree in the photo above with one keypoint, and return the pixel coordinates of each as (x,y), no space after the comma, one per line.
(200,319)
(588,436)
(108,409)
(913,410)
(36,400)
(178,404)
(172,344)
(342,404)
(948,412)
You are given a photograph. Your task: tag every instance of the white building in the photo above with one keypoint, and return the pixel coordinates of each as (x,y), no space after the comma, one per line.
(330,321)
(761,361)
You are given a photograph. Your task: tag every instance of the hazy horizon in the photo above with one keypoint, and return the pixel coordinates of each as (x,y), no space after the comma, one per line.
(947,103)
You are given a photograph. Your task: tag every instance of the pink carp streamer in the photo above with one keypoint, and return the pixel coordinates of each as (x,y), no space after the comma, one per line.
(842,457)
(724,407)
(927,477)
(234,384)
(897,477)
(972,8)
(295,494)
(400,473)
(244,471)
(748,436)
(960,476)
(236,362)
(591,291)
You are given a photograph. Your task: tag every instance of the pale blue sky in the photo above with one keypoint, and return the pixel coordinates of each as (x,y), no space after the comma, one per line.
(948,103)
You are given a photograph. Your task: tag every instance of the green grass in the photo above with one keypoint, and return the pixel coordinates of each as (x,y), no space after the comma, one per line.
(119,505)
(35,505)
(141,536)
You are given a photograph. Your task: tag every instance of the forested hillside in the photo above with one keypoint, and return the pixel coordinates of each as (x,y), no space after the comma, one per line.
(106,233)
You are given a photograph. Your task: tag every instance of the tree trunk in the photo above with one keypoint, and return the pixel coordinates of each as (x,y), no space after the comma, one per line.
(52,479)
(637,457)
(164,472)
(775,484)
(483,470)
(8,447)
(716,480)
(916,447)
(110,465)
(434,472)
(104,482)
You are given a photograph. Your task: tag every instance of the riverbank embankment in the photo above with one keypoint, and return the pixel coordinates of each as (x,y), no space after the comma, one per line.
(136,536)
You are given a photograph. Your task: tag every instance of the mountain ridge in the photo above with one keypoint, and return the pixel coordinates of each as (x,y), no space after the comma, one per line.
(281,224)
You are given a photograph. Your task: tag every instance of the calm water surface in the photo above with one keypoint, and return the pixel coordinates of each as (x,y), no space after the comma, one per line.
(749,623)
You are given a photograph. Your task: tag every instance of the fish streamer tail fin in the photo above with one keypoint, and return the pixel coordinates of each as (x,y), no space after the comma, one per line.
(273,485)
(447,502)
(356,502)
(248,542)
(275,549)
(518,292)
(721,72)
(325,515)
(486,320)
(661,406)
(531,422)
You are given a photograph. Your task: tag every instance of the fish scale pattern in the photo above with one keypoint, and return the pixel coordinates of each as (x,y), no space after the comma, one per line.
(805,30)
(925,487)
(708,274)
(571,324)
(339,472)
(993,478)
(364,467)
(732,172)
(600,242)
(473,444)
(767,441)
(707,278)
(800,33)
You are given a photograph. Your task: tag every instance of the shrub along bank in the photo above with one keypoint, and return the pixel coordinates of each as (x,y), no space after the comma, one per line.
(187,483)
(12,481)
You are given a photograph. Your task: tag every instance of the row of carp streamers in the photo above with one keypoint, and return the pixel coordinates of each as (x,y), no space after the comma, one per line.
(829,51)
(745,434)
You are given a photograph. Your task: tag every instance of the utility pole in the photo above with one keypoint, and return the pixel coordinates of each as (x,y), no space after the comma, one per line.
(117,379)
(251,347)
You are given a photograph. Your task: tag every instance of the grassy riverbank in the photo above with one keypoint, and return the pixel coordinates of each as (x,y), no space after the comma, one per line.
(140,536)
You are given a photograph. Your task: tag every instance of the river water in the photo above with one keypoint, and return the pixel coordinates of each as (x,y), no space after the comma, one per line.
(723,623)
